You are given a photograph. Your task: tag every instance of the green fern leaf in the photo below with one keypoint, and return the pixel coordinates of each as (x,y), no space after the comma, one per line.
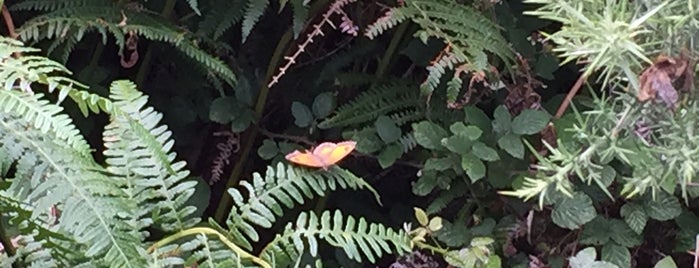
(253,12)
(281,188)
(359,240)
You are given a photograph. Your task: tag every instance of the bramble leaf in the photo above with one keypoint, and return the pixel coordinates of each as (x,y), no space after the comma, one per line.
(573,212)
(530,122)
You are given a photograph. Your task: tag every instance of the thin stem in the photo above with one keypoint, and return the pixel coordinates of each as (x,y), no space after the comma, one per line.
(209,231)
(573,91)
(225,203)
(388,55)
(145,63)
(6,241)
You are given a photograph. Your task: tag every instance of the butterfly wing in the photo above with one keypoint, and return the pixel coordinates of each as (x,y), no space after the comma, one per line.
(331,153)
(306,159)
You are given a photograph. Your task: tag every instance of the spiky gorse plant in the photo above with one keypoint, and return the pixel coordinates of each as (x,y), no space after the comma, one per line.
(636,140)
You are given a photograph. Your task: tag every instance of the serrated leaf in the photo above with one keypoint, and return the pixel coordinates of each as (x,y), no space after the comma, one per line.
(470,132)
(622,234)
(390,154)
(666,262)
(596,232)
(421,216)
(457,144)
(474,167)
(573,212)
(323,104)
(439,164)
(634,215)
(664,207)
(530,122)
(512,144)
(478,118)
(429,135)
(387,129)
(268,149)
(302,114)
(586,259)
(617,255)
(435,224)
(502,120)
(484,152)
(223,110)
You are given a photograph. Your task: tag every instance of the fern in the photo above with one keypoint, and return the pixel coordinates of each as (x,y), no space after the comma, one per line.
(466,33)
(91,202)
(138,150)
(359,240)
(253,12)
(394,99)
(74,22)
(221,16)
(282,187)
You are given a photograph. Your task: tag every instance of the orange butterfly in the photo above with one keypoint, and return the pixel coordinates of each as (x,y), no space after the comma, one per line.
(323,156)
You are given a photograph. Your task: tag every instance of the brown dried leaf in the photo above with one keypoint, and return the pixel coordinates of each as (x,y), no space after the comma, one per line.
(657,80)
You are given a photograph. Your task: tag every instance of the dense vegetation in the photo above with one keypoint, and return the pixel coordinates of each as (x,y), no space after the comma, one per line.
(489,133)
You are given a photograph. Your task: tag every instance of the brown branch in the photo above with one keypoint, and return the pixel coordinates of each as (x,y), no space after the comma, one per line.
(9,23)
(573,91)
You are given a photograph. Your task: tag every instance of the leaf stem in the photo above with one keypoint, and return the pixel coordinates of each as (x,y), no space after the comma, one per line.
(209,231)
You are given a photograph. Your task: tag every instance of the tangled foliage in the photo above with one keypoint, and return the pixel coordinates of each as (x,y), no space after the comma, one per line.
(475,145)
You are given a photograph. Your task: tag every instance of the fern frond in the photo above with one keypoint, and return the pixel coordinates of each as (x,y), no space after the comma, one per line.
(41,246)
(399,100)
(139,150)
(221,16)
(51,5)
(279,188)
(254,11)
(466,33)
(358,239)
(93,211)
(75,22)
(408,141)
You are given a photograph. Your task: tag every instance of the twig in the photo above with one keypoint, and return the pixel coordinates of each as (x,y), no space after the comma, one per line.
(8,22)
(573,91)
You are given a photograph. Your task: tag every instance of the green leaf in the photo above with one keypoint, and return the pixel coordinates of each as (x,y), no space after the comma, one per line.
(596,232)
(530,122)
(545,65)
(302,114)
(470,132)
(573,212)
(458,144)
(241,122)
(429,135)
(478,118)
(634,216)
(664,207)
(387,129)
(503,120)
(268,150)
(621,233)
(616,254)
(389,155)
(323,104)
(666,262)
(484,152)
(586,259)
(223,110)
(435,224)
(512,144)
(440,164)
(421,216)
(474,167)
(367,141)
